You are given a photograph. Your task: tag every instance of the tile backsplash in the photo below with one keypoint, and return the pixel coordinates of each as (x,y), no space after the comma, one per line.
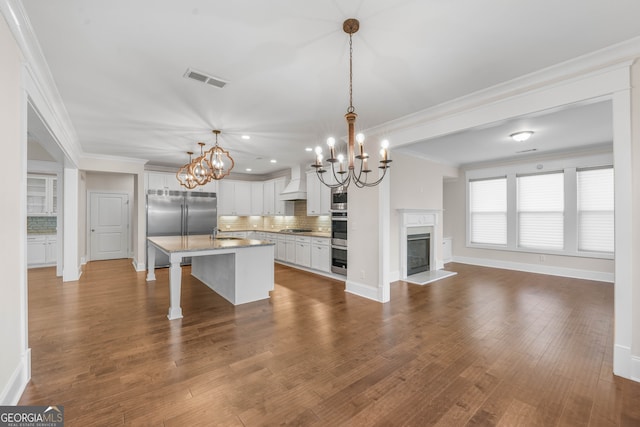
(42,224)
(276,223)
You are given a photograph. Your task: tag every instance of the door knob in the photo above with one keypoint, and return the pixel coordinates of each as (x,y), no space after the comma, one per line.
(92,230)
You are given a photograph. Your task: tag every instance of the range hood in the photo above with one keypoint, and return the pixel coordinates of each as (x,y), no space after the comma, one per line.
(297,187)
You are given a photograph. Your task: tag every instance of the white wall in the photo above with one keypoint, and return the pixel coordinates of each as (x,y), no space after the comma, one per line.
(415,184)
(14,356)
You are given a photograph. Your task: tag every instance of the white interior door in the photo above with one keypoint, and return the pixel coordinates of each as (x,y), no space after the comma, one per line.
(109,226)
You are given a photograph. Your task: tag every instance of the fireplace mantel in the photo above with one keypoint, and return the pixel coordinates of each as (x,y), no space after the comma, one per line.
(429,218)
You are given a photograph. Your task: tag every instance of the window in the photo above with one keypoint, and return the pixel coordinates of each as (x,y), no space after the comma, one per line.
(541,211)
(595,210)
(488,211)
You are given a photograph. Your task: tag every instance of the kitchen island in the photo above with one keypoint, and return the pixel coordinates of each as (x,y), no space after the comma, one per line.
(239,270)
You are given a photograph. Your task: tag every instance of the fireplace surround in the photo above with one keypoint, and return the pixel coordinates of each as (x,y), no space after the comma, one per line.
(419,221)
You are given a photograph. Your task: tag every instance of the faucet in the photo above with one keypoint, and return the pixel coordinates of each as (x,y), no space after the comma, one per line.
(214,232)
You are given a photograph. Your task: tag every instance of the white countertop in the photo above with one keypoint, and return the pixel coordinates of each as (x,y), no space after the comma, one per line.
(201,243)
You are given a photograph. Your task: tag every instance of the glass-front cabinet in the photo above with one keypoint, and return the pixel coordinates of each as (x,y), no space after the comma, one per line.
(42,195)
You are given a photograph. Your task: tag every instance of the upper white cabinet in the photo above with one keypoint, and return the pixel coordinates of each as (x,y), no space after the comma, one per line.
(42,195)
(268,197)
(318,196)
(272,205)
(169,182)
(234,198)
(163,181)
(257,198)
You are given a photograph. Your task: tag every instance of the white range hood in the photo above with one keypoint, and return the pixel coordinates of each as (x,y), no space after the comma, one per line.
(297,187)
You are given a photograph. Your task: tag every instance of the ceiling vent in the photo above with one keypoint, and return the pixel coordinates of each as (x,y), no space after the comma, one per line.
(204,78)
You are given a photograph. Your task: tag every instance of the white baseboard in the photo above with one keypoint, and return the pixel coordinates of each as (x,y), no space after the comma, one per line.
(138,266)
(538,268)
(83,260)
(635,368)
(622,363)
(364,291)
(19,379)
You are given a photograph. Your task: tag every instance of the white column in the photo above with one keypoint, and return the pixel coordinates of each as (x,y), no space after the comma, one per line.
(151,268)
(622,156)
(175,279)
(71,260)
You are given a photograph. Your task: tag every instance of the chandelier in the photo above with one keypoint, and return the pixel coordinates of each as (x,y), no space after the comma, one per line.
(342,177)
(213,164)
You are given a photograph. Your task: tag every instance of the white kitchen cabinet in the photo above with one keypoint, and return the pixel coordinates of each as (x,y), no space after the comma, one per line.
(290,249)
(234,198)
(281,248)
(303,251)
(272,205)
(41,250)
(318,195)
(163,181)
(42,195)
(321,254)
(257,198)
(268,197)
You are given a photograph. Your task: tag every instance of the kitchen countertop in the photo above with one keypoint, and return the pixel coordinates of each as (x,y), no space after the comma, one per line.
(201,243)
(286,233)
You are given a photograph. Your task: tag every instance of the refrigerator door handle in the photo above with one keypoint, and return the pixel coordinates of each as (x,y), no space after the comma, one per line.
(186,220)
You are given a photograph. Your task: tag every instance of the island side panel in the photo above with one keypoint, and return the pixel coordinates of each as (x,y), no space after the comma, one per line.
(254,273)
(217,272)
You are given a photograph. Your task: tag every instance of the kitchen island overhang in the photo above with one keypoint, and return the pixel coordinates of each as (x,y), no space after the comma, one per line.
(239,270)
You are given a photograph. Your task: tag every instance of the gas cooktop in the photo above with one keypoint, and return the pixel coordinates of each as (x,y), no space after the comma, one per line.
(296,230)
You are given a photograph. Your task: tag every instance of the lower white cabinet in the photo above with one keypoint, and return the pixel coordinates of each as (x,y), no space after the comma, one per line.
(290,249)
(321,254)
(281,248)
(303,251)
(41,250)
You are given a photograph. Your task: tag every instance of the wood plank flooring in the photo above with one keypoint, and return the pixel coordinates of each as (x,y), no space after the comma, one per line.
(485,347)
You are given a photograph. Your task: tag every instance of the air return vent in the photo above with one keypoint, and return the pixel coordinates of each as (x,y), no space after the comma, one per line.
(204,78)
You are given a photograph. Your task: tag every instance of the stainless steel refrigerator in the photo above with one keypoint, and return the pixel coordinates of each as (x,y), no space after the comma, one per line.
(179,213)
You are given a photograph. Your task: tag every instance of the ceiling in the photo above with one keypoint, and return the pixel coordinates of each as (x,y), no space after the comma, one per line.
(119,67)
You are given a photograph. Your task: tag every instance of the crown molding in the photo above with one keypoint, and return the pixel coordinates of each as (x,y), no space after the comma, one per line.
(39,83)
(618,56)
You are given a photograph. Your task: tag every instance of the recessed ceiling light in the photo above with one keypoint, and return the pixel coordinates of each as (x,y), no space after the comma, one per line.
(521,136)
(308,149)
(274,161)
(248,169)
(246,137)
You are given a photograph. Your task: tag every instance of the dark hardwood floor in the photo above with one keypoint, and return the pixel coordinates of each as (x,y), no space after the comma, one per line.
(484,347)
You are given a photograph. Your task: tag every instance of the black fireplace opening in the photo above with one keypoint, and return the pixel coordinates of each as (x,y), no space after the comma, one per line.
(418,253)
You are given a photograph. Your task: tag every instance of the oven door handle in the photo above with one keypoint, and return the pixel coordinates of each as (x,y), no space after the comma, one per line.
(344,248)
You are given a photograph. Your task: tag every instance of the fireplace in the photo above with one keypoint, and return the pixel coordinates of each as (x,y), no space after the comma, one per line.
(419,242)
(418,253)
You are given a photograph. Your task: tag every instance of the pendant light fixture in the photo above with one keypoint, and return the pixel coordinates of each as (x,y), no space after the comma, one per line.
(185,176)
(220,160)
(215,163)
(343,177)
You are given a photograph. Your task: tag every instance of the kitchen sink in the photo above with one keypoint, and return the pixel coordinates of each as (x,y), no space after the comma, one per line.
(228,238)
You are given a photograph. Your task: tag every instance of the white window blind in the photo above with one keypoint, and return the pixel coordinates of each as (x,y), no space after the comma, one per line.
(595,210)
(488,211)
(541,211)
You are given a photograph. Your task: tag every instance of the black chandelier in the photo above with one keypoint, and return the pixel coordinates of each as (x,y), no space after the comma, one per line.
(342,177)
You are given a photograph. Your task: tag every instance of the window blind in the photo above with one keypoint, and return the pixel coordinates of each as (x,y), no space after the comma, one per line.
(595,210)
(541,211)
(488,211)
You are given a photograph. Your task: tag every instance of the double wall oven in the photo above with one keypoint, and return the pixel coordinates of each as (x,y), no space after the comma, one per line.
(339,231)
